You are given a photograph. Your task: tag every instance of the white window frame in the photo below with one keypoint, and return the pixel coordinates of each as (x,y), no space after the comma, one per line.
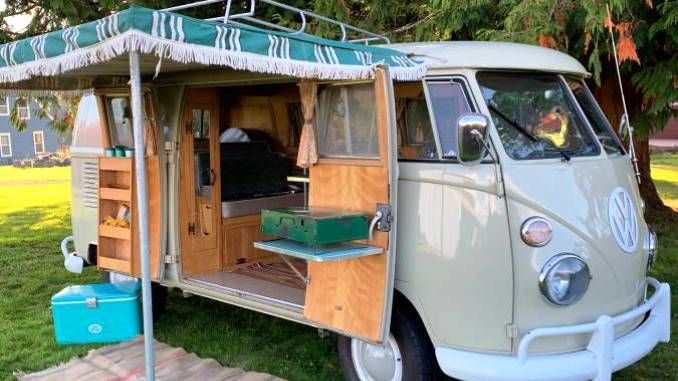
(9,144)
(27,107)
(35,148)
(6,105)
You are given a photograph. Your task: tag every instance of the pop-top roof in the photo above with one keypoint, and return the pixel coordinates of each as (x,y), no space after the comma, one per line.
(80,53)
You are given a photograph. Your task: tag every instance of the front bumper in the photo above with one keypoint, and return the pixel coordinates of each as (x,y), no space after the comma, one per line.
(602,356)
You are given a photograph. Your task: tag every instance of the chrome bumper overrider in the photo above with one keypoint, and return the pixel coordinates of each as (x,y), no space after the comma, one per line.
(602,356)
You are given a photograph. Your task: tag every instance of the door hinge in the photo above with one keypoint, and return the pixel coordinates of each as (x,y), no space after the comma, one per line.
(171,259)
(191,228)
(386,220)
(511,331)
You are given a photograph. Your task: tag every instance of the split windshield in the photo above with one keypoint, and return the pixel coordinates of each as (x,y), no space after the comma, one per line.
(535,116)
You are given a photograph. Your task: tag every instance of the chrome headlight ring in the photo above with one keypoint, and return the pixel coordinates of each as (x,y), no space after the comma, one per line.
(564,279)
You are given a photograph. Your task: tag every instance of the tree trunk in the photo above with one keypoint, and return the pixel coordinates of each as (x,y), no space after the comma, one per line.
(607,95)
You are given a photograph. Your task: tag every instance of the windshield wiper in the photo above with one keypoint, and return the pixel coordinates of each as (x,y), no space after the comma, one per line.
(526,133)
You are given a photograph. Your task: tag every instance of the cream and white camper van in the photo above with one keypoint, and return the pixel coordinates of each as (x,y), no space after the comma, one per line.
(505,231)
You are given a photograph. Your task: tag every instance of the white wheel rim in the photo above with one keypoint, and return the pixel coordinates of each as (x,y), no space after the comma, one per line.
(377,363)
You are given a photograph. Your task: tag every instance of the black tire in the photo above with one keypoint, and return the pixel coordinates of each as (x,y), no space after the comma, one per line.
(415,348)
(159,295)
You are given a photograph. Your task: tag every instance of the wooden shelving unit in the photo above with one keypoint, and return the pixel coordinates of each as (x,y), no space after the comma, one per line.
(118,247)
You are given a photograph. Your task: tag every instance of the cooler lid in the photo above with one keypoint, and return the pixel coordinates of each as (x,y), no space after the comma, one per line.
(99,291)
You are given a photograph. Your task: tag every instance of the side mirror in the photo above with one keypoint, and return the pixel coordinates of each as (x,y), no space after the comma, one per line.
(472,138)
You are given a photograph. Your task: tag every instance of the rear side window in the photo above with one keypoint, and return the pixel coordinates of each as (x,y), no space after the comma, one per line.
(120,121)
(448,101)
(346,120)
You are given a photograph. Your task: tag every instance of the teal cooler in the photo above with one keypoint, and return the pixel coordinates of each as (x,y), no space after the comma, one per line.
(97,313)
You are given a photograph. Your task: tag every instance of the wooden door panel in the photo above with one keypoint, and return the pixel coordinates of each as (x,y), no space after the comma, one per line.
(351,296)
(199,214)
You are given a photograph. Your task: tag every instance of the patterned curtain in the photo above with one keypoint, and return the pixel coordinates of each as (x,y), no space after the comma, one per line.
(308,150)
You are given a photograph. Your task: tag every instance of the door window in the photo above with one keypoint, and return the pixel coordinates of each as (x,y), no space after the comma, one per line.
(5,145)
(347,122)
(39,142)
(448,101)
(416,140)
(200,125)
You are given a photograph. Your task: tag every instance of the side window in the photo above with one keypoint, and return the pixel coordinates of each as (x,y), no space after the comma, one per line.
(448,100)
(346,121)
(119,121)
(416,140)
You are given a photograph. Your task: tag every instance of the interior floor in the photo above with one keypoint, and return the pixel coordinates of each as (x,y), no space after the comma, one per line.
(270,280)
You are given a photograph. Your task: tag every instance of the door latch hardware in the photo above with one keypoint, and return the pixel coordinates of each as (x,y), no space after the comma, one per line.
(91,302)
(191,228)
(386,220)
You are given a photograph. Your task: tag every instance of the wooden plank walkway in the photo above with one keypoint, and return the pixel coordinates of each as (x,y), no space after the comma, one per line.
(125,362)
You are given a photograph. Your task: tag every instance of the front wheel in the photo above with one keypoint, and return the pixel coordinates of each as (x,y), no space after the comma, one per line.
(406,356)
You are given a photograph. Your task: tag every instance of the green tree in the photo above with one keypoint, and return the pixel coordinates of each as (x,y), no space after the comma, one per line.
(644,31)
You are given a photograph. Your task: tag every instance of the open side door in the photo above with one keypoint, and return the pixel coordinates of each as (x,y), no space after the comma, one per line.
(356,171)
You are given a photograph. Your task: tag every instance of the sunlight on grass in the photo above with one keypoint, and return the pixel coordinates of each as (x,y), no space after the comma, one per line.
(665,176)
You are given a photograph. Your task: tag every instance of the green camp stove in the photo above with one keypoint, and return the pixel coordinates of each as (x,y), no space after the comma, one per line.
(315,226)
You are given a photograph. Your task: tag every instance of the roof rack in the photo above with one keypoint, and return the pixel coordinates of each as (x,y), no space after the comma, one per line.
(361,35)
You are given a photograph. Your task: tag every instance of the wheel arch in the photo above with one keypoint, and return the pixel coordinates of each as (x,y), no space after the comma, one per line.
(405,297)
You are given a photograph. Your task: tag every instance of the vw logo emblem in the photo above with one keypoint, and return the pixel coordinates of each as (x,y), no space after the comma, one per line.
(623,222)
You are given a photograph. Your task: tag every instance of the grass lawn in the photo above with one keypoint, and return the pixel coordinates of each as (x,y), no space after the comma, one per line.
(34,217)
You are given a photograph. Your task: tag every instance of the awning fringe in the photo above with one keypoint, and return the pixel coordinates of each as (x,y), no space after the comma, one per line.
(133,40)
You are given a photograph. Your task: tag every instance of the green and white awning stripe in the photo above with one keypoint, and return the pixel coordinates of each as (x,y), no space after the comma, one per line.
(188,40)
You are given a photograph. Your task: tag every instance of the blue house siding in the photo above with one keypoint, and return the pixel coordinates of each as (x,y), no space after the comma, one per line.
(22,142)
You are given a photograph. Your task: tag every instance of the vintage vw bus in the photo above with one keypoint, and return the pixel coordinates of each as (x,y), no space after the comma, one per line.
(506,238)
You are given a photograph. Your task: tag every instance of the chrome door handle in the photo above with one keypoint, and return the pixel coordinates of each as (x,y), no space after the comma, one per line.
(373,224)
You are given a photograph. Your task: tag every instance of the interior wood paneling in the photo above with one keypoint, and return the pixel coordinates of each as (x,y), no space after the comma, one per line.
(350,295)
(238,241)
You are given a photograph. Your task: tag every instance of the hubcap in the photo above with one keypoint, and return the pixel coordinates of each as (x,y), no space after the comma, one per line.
(377,363)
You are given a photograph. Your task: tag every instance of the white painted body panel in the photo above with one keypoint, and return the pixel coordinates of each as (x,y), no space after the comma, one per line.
(447,212)
(574,198)
(86,147)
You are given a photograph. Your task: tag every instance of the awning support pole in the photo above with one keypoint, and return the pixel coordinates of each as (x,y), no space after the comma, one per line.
(142,206)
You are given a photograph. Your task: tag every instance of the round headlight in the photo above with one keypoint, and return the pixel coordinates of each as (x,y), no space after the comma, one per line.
(564,279)
(651,247)
(536,231)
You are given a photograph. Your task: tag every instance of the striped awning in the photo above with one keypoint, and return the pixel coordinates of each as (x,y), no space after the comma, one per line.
(186,40)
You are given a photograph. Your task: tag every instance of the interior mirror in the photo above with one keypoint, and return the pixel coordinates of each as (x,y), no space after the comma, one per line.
(472,138)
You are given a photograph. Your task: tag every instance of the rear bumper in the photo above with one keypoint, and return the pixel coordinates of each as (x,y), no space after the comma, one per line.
(602,356)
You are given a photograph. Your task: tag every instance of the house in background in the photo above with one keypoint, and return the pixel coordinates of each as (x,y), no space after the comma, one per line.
(36,140)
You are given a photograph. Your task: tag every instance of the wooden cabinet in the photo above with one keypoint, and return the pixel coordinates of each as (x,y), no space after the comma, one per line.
(118,246)
(240,233)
